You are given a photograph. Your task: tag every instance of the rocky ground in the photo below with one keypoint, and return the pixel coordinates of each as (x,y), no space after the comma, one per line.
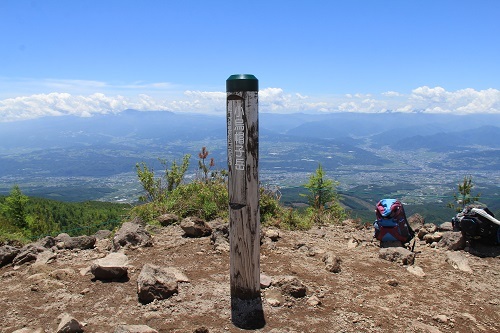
(342,284)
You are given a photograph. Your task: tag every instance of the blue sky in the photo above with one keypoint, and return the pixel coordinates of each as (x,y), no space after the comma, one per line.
(94,56)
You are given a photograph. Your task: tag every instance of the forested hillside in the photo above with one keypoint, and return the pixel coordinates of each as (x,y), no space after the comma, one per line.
(23,218)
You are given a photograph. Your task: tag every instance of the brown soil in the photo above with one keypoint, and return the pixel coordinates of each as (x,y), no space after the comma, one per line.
(368,295)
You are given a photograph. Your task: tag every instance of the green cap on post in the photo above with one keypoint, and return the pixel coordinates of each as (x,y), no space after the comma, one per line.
(242,82)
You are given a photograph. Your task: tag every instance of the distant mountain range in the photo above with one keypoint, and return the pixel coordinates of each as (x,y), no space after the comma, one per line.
(417,129)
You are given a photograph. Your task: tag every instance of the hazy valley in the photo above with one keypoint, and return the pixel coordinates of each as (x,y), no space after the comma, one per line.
(418,158)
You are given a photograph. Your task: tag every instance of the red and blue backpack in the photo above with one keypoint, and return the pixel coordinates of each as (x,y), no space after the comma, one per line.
(391,223)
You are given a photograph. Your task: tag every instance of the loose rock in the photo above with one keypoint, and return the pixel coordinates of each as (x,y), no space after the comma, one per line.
(416,270)
(27,254)
(220,236)
(272,234)
(65,241)
(332,262)
(132,234)
(292,286)
(416,222)
(314,301)
(265,281)
(453,241)
(7,254)
(397,254)
(443,319)
(168,219)
(134,329)
(102,234)
(155,283)
(446,226)
(274,297)
(69,324)
(392,282)
(458,261)
(195,227)
(113,266)
(432,238)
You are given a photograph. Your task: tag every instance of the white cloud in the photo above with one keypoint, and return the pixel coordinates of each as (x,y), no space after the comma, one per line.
(275,100)
(95,97)
(210,95)
(56,104)
(391,94)
(26,86)
(408,108)
(464,101)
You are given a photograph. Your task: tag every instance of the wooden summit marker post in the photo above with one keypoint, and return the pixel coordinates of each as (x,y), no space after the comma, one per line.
(243,186)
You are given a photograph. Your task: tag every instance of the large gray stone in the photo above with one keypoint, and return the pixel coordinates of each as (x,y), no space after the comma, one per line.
(155,283)
(43,258)
(64,241)
(132,234)
(445,226)
(102,234)
(47,242)
(452,241)
(7,254)
(28,253)
(113,266)
(416,222)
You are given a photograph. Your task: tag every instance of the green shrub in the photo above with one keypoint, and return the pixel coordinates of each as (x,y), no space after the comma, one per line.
(273,213)
(464,196)
(156,188)
(329,215)
(14,207)
(269,205)
(204,199)
(323,199)
(207,198)
(291,219)
(12,235)
(148,212)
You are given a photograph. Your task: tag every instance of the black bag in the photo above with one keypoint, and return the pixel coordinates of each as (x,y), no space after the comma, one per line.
(478,224)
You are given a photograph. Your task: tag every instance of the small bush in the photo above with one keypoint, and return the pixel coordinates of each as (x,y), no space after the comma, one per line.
(12,235)
(291,219)
(269,204)
(331,215)
(148,212)
(204,199)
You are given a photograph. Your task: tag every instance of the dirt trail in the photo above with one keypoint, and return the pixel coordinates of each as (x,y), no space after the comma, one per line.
(369,294)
